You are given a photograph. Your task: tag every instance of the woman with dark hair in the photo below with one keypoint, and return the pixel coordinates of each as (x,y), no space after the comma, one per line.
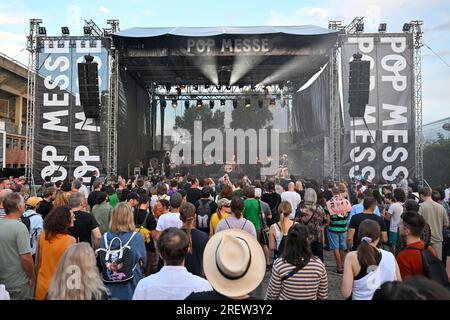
(273,199)
(226,192)
(52,244)
(368,267)
(197,240)
(298,274)
(417,288)
(236,219)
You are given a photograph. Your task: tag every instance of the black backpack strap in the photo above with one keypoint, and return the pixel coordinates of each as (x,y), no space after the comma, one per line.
(312,216)
(245,222)
(293,271)
(227,224)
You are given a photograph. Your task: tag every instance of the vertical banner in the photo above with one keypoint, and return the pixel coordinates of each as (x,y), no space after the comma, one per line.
(384,145)
(66,144)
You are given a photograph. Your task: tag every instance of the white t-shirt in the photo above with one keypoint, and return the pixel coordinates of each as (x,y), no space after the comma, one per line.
(171,283)
(294,199)
(154,199)
(395,210)
(169,220)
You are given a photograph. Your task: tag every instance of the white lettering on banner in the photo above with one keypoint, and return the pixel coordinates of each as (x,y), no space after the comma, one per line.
(61,62)
(54,102)
(239,45)
(396,115)
(85,125)
(52,84)
(53,125)
(50,155)
(82,155)
(398,81)
(398,45)
(388,116)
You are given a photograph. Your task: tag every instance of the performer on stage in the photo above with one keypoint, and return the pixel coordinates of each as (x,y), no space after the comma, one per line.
(167,164)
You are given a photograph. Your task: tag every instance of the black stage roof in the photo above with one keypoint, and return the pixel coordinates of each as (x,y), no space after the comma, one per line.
(224,55)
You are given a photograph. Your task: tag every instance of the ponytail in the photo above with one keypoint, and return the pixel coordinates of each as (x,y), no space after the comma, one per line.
(284,210)
(219,214)
(188,226)
(369,231)
(187,215)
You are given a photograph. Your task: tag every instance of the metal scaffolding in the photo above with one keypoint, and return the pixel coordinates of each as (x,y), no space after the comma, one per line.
(32,47)
(113,101)
(418,44)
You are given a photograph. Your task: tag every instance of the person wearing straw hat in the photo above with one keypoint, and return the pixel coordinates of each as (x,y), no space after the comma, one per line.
(234,264)
(36,221)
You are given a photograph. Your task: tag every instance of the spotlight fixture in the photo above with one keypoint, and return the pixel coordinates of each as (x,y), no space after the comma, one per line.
(42,31)
(382,27)
(195,87)
(211,104)
(168,87)
(235,104)
(260,103)
(65,31)
(87,31)
(163,103)
(186,104)
(241,86)
(222,102)
(219,88)
(174,103)
(199,103)
(359,27)
(406,27)
(206,86)
(248,103)
(229,88)
(272,103)
(253,87)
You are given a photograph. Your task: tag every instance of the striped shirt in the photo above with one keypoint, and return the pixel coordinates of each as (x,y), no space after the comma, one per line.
(309,283)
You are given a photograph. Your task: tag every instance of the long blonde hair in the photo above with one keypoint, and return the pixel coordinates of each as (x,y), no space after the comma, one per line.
(122,219)
(285,210)
(187,215)
(61,199)
(77,276)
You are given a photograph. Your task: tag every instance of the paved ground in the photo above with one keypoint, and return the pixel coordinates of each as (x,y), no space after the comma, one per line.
(334,280)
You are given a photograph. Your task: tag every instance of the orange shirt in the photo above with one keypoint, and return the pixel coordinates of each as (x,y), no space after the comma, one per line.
(50,253)
(410,260)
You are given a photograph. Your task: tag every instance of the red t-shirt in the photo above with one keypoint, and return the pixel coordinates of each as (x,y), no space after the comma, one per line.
(410,260)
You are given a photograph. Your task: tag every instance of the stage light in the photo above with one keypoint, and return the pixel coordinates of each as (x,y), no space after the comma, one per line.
(211,104)
(229,88)
(168,87)
(382,27)
(163,103)
(359,27)
(272,103)
(446,126)
(406,27)
(222,102)
(219,88)
(235,104)
(253,87)
(248,103)
(65,31)
(186,104)
(174,103)
(207,86)
(87,31)
(195,87)
(199,103)
(179,91)
(42,31)
(241,86)
(260,103)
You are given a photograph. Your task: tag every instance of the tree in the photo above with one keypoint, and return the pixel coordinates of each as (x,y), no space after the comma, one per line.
(436,162)
(251,118)
(210,119)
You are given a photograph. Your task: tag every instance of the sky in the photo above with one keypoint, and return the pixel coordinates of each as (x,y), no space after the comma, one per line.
(14,16)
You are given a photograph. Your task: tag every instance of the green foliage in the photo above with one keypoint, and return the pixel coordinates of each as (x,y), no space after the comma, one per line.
(210,119)
(436,162)
(251,118)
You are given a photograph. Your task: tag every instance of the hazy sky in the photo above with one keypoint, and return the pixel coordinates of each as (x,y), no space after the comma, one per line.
(14,17)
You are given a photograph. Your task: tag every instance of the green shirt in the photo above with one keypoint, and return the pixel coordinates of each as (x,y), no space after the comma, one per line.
(14,242)
(113,200)
(252,211)
(102,213)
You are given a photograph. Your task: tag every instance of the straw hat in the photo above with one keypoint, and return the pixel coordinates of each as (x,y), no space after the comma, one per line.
(33,201)
(223,202)
(234,262)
